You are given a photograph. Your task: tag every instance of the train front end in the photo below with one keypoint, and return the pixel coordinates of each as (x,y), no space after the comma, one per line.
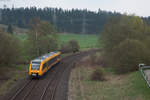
(34,69)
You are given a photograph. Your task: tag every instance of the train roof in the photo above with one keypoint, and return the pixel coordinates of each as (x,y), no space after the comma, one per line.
(41,58)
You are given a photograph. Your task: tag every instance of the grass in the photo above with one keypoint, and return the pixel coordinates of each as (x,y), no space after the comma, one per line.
(22,36)
(11,76)
(117,87)
(85,40)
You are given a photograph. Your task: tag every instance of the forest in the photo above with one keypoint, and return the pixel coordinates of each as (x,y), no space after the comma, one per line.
(65,21)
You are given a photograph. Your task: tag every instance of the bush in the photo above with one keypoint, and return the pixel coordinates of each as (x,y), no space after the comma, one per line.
(71,46)
(9,49)
(74,45)
(98,75)
(128,55)
(93,59)
(66,48)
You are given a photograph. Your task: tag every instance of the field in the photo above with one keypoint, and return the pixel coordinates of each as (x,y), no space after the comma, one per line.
(85,41)
(116,87)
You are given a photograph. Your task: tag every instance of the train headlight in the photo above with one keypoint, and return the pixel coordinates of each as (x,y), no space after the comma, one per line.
(34,74)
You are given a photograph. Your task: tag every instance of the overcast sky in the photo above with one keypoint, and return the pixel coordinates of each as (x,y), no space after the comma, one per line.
(137,7)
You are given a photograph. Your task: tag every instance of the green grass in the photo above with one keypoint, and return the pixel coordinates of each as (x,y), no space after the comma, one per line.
(22,36)
(117,87)
(84,40)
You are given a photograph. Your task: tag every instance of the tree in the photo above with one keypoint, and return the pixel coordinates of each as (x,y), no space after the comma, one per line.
(45,28)
(34,34)
(9,49)
(10,29)
(125,42)
(42,38)
(70,21)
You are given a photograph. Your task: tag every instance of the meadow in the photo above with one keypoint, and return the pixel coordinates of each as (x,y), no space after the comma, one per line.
(85,40)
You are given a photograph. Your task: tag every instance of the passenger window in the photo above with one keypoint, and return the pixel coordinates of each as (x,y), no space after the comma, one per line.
(44,65)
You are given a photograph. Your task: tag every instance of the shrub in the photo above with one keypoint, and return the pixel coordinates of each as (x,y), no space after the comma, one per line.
(98,75)
(66,48)
(127,56)
(9,49)
(71,46)
(74,45)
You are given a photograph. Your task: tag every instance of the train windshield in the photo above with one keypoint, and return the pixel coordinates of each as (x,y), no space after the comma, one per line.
(35,65)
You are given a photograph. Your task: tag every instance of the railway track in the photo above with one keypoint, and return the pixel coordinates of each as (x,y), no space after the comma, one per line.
(29,85)
(50,89)
(46,88)
(51,83)
(20,90)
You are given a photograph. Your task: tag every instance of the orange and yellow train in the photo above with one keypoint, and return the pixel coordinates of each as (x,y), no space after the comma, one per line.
(42,64)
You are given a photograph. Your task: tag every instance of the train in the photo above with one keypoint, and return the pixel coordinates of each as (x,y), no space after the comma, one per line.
(39,66)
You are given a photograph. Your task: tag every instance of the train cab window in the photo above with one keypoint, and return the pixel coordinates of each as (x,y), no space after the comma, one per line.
(35,65)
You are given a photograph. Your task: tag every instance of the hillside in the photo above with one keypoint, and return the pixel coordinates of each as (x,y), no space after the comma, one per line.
(16,30)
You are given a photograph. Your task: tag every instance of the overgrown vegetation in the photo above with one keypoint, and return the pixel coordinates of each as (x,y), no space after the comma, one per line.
(129,86)
(10,49)
(70,46)
(98,75)
(125,42)
(117,87)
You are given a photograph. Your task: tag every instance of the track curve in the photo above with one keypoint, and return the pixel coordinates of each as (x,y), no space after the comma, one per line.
(53,85)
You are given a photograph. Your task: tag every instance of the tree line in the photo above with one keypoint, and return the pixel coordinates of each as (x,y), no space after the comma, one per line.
(70,21)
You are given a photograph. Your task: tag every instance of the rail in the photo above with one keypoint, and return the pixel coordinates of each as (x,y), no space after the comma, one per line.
(20,90)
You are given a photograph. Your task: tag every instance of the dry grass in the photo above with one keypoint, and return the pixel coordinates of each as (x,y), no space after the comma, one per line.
(9,76)
(117,87)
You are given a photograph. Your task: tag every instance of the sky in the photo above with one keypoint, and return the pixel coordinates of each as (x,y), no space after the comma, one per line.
(137,7)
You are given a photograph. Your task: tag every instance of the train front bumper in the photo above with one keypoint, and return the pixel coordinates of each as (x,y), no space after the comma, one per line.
(34,74)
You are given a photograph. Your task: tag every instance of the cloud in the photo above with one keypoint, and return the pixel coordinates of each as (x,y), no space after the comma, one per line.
(5,0)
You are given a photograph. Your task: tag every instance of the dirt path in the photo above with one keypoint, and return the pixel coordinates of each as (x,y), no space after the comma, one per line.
(53,86)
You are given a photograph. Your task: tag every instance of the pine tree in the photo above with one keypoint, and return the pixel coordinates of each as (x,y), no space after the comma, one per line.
(10,29)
